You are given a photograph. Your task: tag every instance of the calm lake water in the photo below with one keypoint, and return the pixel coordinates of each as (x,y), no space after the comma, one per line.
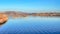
(31,25)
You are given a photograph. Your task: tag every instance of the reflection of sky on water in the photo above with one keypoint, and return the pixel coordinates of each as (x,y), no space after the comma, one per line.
(32,25)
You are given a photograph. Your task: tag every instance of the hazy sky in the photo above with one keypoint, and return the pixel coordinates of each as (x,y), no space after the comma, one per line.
(29,4)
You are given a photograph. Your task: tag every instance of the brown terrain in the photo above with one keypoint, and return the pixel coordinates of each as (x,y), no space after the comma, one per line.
(23,14)
(3,18)
(4,15)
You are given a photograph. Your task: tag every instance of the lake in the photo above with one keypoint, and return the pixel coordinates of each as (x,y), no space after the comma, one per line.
(31,25)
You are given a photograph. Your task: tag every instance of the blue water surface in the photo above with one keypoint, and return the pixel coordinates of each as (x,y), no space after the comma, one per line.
(31,25)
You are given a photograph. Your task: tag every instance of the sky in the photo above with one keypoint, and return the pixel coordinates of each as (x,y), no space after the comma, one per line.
(29,5)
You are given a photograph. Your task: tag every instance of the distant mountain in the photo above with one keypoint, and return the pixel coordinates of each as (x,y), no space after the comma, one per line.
(23,14)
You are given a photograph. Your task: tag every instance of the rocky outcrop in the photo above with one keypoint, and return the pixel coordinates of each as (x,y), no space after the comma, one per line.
(3,18)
